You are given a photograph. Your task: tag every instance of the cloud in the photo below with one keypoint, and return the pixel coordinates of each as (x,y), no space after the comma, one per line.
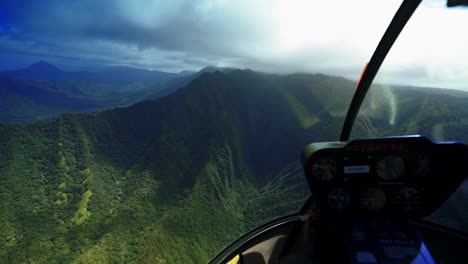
(152,31)
(431,50)
(336,37)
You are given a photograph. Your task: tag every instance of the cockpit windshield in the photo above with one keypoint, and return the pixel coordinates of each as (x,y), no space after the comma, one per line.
(422,88)
(160,131)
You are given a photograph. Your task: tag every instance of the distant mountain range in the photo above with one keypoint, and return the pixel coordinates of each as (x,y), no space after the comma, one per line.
(63,92)
(23,100)
(42,91)
(173,180)
(42,71)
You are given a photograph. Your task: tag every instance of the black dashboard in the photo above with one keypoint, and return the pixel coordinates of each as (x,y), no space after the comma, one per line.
(397,177)
(367,196)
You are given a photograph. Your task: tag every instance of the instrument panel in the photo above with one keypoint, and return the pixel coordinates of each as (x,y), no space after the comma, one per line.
(398,177)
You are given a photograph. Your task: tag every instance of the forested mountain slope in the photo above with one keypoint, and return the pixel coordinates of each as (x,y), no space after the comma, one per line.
(171,180)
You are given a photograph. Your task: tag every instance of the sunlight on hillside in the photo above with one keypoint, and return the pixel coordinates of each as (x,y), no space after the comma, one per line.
(303,115)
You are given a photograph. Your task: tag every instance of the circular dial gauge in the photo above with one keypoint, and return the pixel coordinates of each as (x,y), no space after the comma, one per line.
(391,167)
(338,200)
(422,166)
(408,199)
(373,200)
(324,169)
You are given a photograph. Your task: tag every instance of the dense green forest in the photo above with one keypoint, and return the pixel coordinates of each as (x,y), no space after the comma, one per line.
(175,179)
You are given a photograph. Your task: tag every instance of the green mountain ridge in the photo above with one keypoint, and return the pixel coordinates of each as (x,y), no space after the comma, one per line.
(171,180)
(112,186)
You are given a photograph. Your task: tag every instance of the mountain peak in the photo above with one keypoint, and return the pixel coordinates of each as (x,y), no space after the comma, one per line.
(212,69)
(40,70)
(185,72)
(43,67)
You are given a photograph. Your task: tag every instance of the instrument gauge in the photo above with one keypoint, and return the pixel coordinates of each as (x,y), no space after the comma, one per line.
(422,166)
(390,167)
(338,200)
(408,199)
(373,200)
(324,169)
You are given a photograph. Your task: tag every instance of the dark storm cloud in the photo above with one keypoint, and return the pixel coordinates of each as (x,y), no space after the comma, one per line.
(196,28)
(267,35)
(264,35)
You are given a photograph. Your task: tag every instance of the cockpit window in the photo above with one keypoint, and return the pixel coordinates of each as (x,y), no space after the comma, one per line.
(422,88)
(160,131)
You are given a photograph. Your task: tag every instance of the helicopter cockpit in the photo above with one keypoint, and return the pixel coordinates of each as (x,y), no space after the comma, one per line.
(367,191)
(368,196)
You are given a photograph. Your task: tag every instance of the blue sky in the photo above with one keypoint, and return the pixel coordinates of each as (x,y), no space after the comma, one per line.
(268,35)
